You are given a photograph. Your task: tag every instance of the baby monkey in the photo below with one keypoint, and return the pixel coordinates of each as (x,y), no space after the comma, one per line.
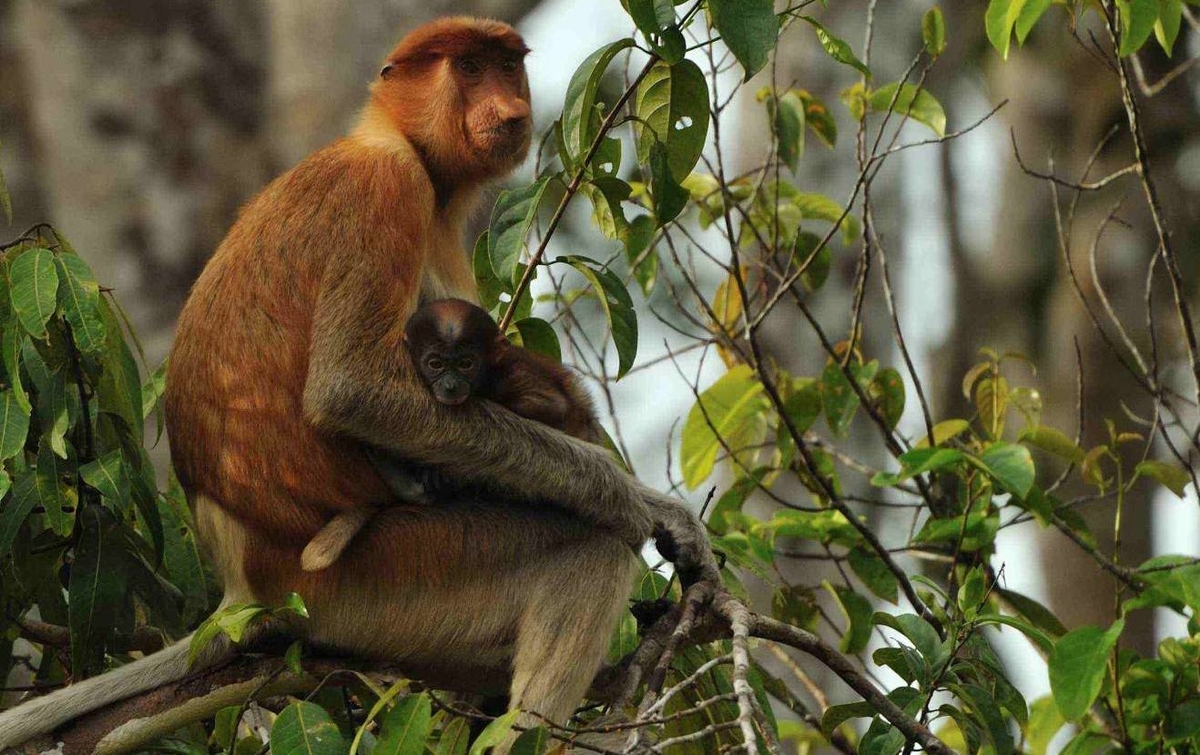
(460,354)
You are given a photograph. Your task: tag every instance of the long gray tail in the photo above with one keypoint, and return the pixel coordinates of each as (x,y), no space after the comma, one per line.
(43,715)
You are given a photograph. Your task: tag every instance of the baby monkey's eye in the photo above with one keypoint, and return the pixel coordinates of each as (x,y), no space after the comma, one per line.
(434,363)
(466,363)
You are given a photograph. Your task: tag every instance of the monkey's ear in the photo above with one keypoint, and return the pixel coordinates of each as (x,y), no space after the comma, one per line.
(387,68)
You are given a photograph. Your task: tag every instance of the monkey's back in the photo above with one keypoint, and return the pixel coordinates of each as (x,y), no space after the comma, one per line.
(235,387)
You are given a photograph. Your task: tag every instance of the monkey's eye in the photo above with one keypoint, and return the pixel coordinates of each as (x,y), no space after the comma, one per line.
(466,363)
(434,363)
(510,65)
(469,66)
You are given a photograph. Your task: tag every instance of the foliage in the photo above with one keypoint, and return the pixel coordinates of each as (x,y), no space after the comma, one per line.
(91,544)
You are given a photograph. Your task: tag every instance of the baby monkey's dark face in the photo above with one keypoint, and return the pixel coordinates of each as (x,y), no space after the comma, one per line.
(450,341)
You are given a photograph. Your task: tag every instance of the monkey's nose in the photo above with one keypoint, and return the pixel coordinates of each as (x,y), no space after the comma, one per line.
(514,113)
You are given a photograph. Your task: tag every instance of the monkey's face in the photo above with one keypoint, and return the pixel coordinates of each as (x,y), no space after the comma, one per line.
(452,374)
(496,110)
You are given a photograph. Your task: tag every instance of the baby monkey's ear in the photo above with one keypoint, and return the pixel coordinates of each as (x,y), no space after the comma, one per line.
(383,72)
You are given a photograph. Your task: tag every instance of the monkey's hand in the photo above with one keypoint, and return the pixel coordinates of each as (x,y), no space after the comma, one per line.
(681,538)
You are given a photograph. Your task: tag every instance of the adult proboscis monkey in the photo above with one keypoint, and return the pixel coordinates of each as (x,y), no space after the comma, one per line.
(288,358)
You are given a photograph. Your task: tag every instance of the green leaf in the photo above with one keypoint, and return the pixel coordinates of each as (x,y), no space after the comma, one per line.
(617,306)
(917,104)
(534,741)
(786,113)
(405,727)
(14,424)
(918,631)
(1011,466)
(818,118)
(1044,723)
(857,611)
(639,251)
(809,244)
(736,407)
(34,289)
(79,297)
(455,738)
(650,16)
(838,397)
(933,31)
(306,729)
(1137,22)
(18,506)
(495,732)
(1033,612)
(490,286)
(672,108)
(1052,441)
(538,335)
(97,590)
(748,28)
(1172,477)
(1077,666)
(999,20)
(669,197)
(1166,29)
(57,500)
(580,123)
(874,573)
(888,391)
(107,475)
(1031,13)
(12,341)
(606,195)
(836,48)
(512,216)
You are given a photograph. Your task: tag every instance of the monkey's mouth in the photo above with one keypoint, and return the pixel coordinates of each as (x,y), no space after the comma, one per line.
(452,398)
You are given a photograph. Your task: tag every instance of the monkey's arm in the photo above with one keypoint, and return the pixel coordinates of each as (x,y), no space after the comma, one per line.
(361,383)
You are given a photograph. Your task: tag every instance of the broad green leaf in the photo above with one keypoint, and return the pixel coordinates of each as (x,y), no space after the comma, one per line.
(17,507)
(97,589)
(1052,441)
(978,531)
(857,611)
(1077,667)
(808,251)
(1033,612)
(512,216)
(919,461)
(454,739)
(1171,476)
(56,499)
(107,475)
(874,573)
(52,413)
(650,16)
(1166,30)
(918,631)
(836,48)
(917,104)
(999,20)
(1183,720)
(535,741)
(838,397)
(618,309)
(972,592)
(991,401)
(490,286)
(1043,640)
(606,194)
(672,109)
(1011,465)
(1044,723)
(1137,22)
(120,388)
(736,407)
(306,729)
(495,732)
(669,197)
(748,28)
(405,727)
(12,341)
(183,557)
(639,251)
(580,122)
(538,335)
(818,118)
(14,424)
(1031,12)
(79,297)
(34,289)
(933,31)
(888,391)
